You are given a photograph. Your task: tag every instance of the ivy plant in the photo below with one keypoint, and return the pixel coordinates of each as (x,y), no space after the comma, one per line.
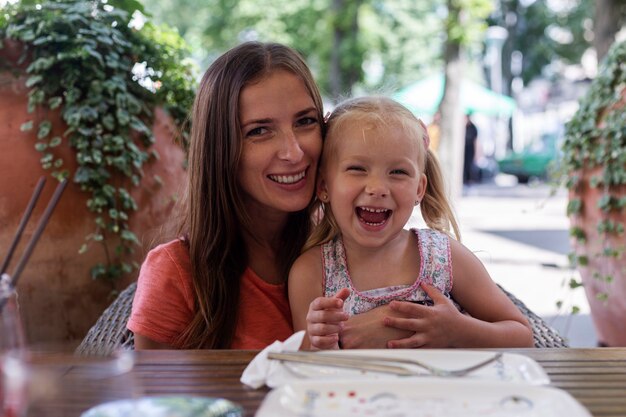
(104,70)
(596,138)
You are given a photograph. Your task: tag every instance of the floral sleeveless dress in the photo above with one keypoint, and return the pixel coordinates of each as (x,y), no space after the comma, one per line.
(435,269)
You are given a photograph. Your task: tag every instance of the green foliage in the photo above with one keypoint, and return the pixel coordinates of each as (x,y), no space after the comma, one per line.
(596,138)
(400,38)
(533,30)
(105,77)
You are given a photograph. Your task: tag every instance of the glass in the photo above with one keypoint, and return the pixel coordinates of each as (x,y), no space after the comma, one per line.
(56,382)
(11,331)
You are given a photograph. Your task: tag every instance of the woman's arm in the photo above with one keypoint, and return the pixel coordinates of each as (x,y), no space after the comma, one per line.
(143,342)
(493,320)
(163,304)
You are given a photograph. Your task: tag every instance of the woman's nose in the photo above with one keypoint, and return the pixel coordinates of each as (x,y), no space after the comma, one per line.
(290,149)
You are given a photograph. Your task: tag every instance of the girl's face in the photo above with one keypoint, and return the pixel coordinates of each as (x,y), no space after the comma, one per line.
(372,180)
(282,142)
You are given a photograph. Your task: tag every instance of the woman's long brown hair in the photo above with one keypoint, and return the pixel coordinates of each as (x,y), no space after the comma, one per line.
(214,213)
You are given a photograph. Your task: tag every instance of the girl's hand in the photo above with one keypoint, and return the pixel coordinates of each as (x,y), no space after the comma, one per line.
(368,331)
(325,319)
(432,326)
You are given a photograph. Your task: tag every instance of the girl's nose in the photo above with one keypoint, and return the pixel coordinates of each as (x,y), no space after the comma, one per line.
(376,187)
(290,149)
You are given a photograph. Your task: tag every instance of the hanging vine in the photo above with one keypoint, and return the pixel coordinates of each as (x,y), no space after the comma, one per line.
(105,72)
(596,138)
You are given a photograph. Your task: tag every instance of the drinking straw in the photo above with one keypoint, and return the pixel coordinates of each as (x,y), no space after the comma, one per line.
(38,231)
(22,225)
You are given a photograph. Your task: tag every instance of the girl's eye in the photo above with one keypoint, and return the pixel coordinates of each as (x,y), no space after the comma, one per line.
(399,172)
(306,121)
(355,168)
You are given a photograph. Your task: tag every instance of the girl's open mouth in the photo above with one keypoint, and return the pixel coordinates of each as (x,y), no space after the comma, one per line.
(373,216)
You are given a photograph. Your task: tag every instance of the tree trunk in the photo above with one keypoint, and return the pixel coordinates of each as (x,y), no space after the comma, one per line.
(451,144)
(609,15)
(345,55)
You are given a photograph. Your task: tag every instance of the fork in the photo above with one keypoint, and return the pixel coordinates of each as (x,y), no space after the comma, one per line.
(378,363)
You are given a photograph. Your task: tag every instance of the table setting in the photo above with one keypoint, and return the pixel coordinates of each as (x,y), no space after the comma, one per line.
(428,382)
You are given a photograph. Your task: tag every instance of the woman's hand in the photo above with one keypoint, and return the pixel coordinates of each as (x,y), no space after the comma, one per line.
(325,320)
(430,326)
(368,331)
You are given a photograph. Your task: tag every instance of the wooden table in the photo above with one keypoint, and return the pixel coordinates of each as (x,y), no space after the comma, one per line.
(595,377)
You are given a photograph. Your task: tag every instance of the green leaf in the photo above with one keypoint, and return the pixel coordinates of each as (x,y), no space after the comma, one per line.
(55,141)
(40,147)
(31,81)
(54,102)
(574,283)
(574,206)
(123,118)
(129,236)
(26,126)
(98,271)
(44,129)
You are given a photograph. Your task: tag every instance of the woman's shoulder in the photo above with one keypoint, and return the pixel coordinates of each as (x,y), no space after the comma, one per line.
(175,250)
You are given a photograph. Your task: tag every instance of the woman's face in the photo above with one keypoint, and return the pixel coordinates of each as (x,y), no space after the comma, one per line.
(282,142)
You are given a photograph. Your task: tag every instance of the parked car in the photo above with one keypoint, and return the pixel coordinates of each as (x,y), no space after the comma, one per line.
(535,161)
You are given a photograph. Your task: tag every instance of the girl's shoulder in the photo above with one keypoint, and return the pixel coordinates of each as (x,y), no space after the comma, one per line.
(306,268)
(307,258)
(430,237)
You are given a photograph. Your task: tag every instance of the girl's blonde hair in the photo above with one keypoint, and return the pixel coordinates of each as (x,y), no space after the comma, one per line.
(381,112)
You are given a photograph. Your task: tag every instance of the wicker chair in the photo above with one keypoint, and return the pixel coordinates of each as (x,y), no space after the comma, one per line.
(543,334)
(110,332)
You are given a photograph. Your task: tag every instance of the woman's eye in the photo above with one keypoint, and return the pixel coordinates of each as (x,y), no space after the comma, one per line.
(306,121)
(257,131)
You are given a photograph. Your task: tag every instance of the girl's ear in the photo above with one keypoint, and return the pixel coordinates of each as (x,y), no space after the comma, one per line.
(421,187)
(321,189)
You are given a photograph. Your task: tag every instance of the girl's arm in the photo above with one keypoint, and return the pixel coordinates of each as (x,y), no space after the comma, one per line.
(493,320)
(320,316)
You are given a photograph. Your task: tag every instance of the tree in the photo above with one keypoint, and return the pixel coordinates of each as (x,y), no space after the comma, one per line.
(610,17)
(337,37)
(464,26)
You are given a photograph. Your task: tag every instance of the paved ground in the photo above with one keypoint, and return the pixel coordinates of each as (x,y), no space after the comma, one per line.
(520,233)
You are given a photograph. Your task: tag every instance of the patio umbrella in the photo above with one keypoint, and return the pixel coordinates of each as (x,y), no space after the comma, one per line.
(423,97)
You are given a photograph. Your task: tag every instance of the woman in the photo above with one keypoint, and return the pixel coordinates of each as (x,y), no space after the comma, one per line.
(255,142)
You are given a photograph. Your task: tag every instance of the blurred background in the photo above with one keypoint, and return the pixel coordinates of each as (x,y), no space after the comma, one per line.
(517,68)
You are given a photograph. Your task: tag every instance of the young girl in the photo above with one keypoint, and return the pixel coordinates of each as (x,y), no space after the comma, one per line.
(375,168)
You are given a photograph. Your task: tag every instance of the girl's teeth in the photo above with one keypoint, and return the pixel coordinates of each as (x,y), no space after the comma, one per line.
(373,210)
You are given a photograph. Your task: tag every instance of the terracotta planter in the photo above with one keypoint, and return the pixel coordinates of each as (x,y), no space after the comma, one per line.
(58,299)
(609,316)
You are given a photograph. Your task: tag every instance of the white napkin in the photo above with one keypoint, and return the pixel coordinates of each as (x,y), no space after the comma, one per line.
(262,371)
